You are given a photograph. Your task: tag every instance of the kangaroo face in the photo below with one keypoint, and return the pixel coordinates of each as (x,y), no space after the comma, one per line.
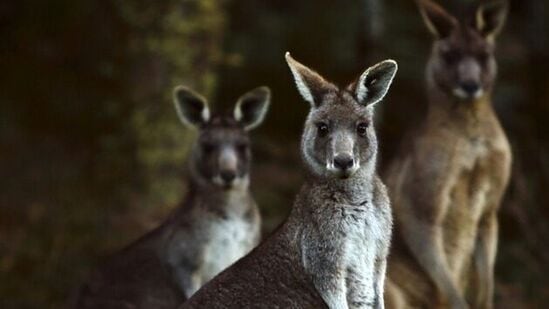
(339,137)
(462,62)
(221,155)
(223,152)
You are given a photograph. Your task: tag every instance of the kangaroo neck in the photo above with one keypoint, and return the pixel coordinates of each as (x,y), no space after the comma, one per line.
(354,189)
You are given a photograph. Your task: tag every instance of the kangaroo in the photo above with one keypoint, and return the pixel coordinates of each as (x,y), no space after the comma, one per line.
(217,223)
(331,251)
(448,180)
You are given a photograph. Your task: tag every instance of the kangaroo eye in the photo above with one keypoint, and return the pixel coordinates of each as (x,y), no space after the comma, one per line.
(322,129)
(483,57)
(208,147)
(450,57)
(362,129)
(242,147)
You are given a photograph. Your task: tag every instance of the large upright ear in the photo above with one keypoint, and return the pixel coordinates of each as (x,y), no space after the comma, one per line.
(251,108)
(437,20)
(374,83)
(490,18)
(191,107)
(310,84)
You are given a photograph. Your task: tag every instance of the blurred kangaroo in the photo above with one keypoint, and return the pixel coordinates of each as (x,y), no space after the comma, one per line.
(331,251)
(449,178)
(217,223)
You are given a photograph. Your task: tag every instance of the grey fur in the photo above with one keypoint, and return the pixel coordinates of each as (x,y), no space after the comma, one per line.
(217,223)
(331,251)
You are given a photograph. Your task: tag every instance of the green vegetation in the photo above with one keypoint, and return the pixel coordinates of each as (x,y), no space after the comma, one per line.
(91,148)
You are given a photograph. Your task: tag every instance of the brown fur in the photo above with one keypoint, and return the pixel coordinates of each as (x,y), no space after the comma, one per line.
(448,180)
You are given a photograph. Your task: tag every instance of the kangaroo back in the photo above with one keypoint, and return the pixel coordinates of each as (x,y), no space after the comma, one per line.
(331,251)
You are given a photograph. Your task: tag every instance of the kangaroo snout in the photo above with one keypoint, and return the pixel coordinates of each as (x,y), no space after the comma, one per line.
(228,176)
(470,87)
(343,165)
(228,165)
(343,161)
(468,90)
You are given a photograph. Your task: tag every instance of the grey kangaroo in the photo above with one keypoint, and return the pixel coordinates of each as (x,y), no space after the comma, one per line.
(447,182)
(217,223)
(331,251)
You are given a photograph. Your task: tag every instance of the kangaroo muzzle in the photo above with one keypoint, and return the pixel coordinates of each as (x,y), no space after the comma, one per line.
(469,75)
(343,162)
(228,167)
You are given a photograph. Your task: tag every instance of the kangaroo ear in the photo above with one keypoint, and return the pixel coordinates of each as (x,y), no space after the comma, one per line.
(374,83)
(251,108)
(191,107)
(437,20)
(310,84)
(490,18)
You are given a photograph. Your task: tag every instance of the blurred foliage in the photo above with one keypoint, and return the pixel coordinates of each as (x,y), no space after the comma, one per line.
(91,147)
(92,153)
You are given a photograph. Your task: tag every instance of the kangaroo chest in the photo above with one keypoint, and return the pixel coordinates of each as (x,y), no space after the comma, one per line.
(480,163)
(362,249)
(227,240)
(363,231)
(473,192)
(357,237)
(472,178)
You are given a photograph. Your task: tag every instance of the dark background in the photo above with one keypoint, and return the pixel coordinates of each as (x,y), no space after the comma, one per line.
(92,154)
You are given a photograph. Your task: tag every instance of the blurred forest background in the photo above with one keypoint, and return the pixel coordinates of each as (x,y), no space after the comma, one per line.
(92,154)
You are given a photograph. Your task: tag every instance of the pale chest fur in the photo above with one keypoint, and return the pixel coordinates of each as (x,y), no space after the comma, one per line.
(480,173)
(480,164)
(356,236)
(209,238)
(366,242)
(228,240)
(364,230)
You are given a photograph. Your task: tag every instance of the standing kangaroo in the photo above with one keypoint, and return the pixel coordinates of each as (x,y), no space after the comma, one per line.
(447,183)
(331,251)
(217,223)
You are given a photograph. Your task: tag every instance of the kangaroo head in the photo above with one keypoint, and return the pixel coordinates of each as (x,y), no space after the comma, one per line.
(339,136)
(221,155)
(462,62)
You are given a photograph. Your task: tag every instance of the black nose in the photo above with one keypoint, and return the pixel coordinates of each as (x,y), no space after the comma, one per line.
(470,87)
(343,162)
(228,176)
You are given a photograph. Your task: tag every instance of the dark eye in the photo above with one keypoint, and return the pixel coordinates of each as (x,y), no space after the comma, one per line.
(451,56)
(483,57)
(208,147)
(362,129)
(323,129)
(242,147)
